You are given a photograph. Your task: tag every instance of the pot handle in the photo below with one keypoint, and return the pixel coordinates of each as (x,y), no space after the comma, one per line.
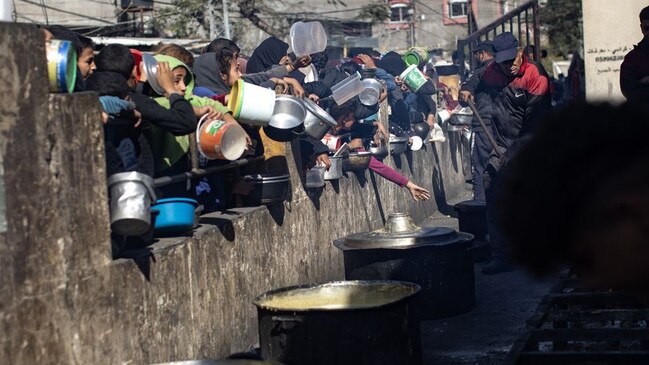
(198,127)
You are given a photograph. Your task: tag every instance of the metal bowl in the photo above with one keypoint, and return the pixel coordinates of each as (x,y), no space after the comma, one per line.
(371,92)
(357,161)
(379,152)
(288,113)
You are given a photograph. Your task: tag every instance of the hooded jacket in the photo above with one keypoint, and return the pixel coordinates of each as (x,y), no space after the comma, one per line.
(518,102)
(168,148)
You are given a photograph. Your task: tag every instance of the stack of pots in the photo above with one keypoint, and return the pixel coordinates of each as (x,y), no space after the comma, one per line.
(436,258)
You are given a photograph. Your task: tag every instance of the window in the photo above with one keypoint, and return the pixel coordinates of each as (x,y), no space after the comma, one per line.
(400,13)
(457,8)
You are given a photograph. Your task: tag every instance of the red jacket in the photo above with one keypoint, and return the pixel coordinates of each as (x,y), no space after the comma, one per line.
(634,68)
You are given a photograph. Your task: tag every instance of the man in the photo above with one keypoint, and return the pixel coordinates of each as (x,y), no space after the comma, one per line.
(520,95)
(634,74)
(484,55)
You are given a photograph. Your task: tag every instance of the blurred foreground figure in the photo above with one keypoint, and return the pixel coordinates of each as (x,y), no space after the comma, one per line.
(578,194)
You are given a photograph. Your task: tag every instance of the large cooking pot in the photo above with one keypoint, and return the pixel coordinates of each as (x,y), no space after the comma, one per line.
(357,161)
(317,121)
(286,123)
(342,323)
(268,188)
(437,258)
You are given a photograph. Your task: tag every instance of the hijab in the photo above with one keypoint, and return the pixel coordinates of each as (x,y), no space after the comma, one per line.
(392,63)
(208,73)
(266,55)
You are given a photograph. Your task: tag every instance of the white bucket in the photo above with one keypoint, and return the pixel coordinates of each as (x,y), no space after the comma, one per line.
(251,104)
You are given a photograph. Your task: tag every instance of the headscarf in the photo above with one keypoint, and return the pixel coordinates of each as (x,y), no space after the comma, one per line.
(392,63)
(208,73)
(266,55)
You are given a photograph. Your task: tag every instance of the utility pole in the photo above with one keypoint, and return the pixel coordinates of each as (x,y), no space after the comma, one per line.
(413,19)
(226,19)
(210,14)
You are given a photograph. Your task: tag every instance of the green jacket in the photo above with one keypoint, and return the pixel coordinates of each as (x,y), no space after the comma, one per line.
(167,148)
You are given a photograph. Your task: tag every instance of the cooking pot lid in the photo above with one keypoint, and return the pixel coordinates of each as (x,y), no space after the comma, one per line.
(401,231)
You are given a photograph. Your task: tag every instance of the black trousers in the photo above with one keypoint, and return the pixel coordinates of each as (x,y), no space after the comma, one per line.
(479,158)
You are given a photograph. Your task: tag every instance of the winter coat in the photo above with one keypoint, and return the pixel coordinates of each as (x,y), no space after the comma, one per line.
(634,67)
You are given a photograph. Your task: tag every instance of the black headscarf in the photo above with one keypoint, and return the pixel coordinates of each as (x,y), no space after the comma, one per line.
(266,55)
(208,73)
(392,63)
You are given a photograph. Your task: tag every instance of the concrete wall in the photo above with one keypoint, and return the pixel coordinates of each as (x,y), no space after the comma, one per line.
(610,32)
(63,300)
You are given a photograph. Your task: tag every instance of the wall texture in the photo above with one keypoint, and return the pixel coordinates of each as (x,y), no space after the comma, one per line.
(63,300)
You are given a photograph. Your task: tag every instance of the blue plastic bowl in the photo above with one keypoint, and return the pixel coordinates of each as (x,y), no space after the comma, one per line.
(176,215)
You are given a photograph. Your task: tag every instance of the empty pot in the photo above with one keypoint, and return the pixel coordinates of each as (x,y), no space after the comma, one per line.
(317,122)
(269,188)
(357,161)
(371,92)
(131,194)
(335,171)
(398,145)
(288,113)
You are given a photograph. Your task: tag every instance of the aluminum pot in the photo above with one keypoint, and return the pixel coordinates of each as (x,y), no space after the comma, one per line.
(317,122)
(343,323)
(379,152)
(371,92)
(289,112)
(269,188)
(357,161)
(439,259)
(398,145)
(131,195)
(283,135)
(335,172)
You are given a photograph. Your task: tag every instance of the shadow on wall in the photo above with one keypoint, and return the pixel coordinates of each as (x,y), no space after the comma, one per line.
(438,187)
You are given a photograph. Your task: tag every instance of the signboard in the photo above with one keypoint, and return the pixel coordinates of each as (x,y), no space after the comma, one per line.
(610,32)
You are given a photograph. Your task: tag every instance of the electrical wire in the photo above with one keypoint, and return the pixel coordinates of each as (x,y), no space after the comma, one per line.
(66,11)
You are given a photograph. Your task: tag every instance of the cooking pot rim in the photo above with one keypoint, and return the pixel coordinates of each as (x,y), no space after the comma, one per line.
(257,300)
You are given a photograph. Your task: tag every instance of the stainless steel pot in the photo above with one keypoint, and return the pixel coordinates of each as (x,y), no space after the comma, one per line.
(371,92)
(131,195)
(269,188)
(343,323)
(289,112)
(379,152)
(357,161)
(317,122)
(335,172)
(439,259)
(398,145)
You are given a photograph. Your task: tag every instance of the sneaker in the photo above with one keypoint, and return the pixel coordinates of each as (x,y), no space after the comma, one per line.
(437,134)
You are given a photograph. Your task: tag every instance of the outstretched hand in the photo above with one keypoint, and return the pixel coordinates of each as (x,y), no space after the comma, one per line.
(418,193)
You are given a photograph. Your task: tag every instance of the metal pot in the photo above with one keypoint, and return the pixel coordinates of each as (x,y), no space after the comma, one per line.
(437,258)
(357,161)
(344,323)
(335,172)
(269,188)
(317,122)
(131,195)
(398,145)
(379,152)
(371,92)
(289,112)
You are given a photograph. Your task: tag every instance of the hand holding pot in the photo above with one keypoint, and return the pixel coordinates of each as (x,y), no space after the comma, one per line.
(355,144)
(166,79)
(302,61)
(323,159)
(209,110)
(298,90)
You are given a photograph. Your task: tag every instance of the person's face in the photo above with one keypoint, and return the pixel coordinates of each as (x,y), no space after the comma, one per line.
(644,26)
(179,74)
(507,67)
(345,122)
(86,62)
(234,74)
